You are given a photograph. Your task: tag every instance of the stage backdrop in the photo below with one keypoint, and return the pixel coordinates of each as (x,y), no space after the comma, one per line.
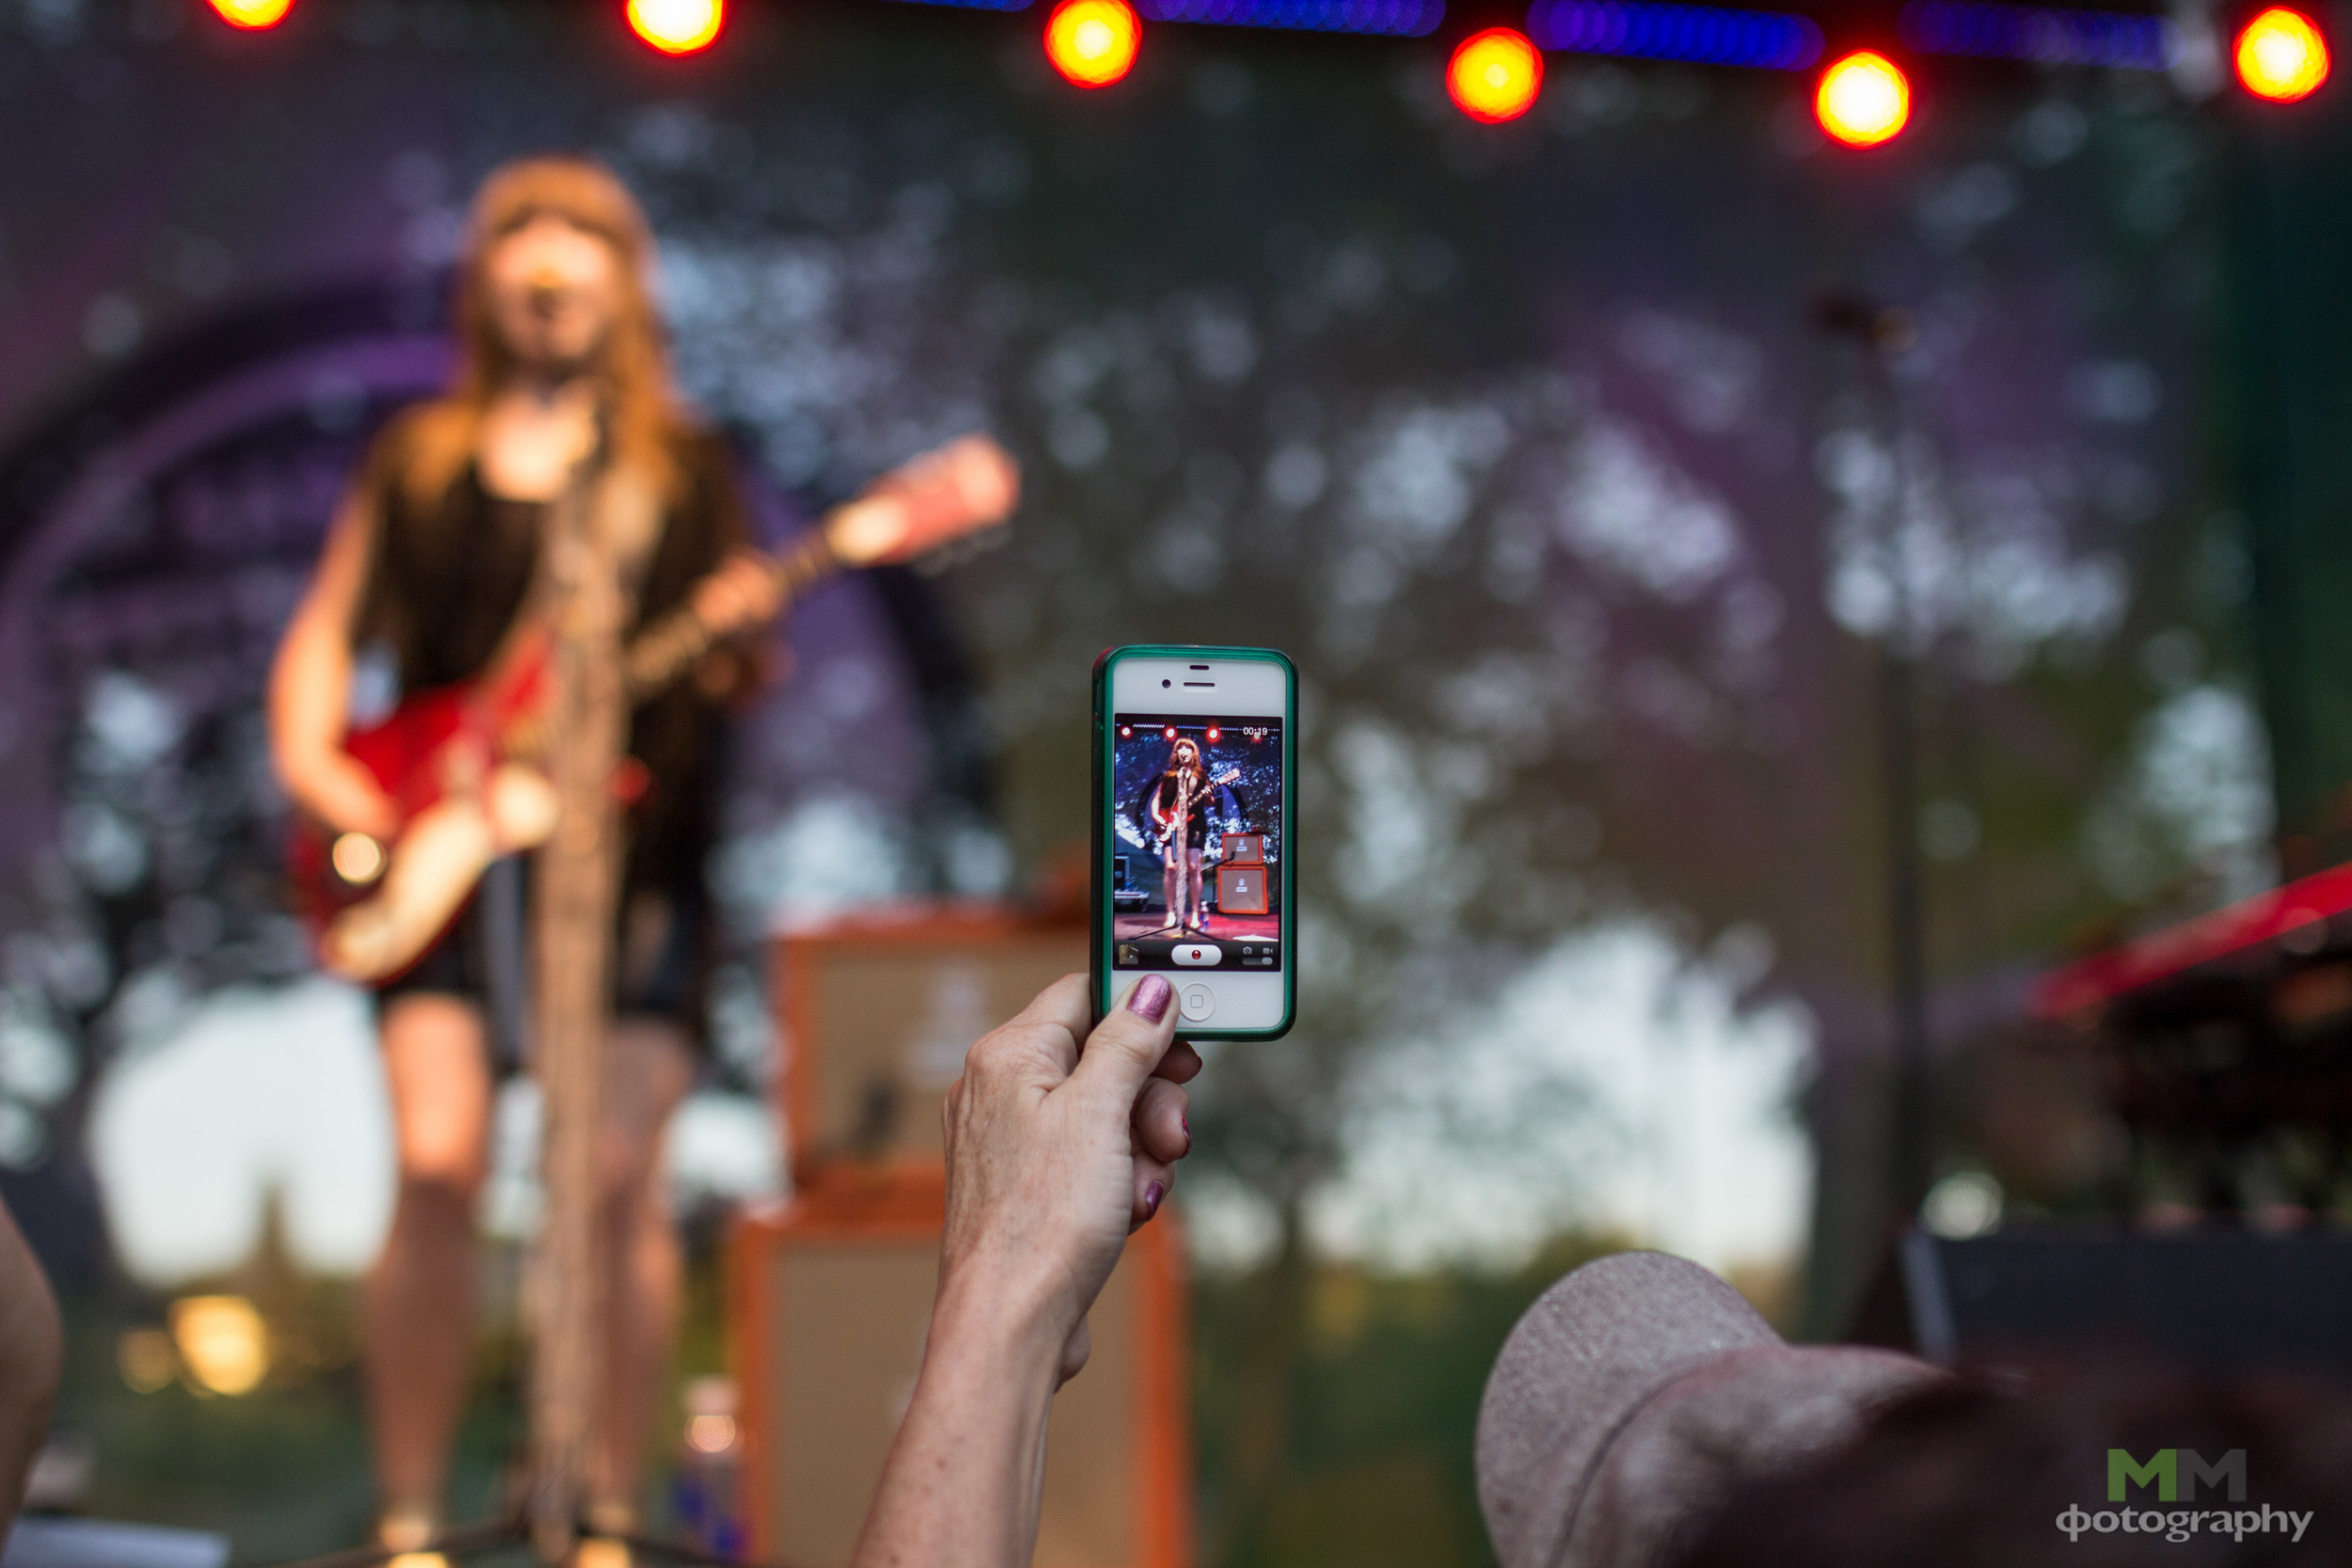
(1519,439)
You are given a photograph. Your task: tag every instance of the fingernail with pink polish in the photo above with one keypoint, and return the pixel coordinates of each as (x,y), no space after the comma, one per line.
(1149,1001)
(1151,1196)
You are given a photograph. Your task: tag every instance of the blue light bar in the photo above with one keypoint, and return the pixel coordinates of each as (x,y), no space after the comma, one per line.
(1988,31)
(1409,19)
(1703,35)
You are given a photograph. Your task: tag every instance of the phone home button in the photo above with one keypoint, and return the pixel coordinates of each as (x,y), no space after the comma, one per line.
(1197,955)
(1198,1002)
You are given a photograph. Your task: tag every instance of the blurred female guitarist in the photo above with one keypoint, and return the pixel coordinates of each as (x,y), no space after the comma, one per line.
(433,557)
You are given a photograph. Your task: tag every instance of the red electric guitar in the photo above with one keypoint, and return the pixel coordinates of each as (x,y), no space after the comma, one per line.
(458,760)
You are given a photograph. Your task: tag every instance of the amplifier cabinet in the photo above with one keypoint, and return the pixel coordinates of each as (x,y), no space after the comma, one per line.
(830,1299)
(878,1012)
(1242,849)
(1241,890)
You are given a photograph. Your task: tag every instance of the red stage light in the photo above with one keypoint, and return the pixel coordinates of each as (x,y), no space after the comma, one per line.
(2282,56)
(1093,42)
(253,14)
(677,26)
(1495,75)
(1127,732)
(1214,732)
(1864,99)
(1169,732)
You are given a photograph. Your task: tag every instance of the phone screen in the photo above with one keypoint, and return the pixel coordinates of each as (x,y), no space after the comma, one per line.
(1196,815)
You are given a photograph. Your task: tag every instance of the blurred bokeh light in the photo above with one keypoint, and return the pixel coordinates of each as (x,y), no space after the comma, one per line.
(1864,99)
(1495,75)
(252,13)
(1704,35)
(2282,56)
(1093,42)
(2038,33)
(148,1360)
(677,26)
(222,1342)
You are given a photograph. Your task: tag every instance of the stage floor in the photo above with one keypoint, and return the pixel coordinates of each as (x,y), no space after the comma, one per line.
(1218,928)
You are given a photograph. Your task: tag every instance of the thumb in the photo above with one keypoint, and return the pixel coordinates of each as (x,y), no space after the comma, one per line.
(1129,1042)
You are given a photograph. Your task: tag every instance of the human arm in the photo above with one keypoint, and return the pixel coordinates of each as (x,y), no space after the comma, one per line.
(309,689)
(1159,812)
(32,1359)
(1054,1155)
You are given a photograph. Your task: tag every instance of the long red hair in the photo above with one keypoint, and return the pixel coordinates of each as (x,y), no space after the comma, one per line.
(641,407)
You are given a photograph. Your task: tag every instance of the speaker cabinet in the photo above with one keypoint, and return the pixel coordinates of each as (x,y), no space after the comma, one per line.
(2225,1302)
(878,1013)
(1242,849)
(1241,890)
(830,1301)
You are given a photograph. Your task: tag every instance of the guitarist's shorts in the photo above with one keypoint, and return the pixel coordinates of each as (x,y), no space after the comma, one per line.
(660,962)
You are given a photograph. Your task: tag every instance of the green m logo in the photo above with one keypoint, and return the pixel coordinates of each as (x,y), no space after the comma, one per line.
(2165,1472)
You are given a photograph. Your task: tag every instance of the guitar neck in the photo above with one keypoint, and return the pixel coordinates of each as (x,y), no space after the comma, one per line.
(668,648)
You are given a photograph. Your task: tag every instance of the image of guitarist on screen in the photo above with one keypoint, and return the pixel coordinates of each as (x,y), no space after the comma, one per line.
(1174,812)
(439,557)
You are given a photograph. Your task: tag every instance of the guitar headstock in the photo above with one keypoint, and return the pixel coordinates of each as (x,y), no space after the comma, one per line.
(947,494)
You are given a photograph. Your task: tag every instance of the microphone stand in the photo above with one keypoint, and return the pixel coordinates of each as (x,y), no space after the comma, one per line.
(1880,332)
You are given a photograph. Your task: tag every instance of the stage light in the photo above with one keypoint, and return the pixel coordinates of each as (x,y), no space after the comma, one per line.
(1127,732)
(1703,35)
(1864,99)
(2282,56)
(252,14)
(1168,733)
(1495,75)
(1093,42)
(1213,733)
(677,26)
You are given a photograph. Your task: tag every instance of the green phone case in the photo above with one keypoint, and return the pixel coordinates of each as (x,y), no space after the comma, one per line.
(1098,971)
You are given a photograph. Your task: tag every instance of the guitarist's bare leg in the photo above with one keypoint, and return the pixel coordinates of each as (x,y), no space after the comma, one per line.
(1172,886)
(649,1074)
(418,1302)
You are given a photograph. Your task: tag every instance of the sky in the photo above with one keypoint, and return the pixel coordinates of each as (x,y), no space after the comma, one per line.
(279,1087)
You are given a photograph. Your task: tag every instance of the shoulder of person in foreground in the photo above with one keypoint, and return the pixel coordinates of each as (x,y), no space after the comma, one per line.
(1638,1394)
(2062,1464)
